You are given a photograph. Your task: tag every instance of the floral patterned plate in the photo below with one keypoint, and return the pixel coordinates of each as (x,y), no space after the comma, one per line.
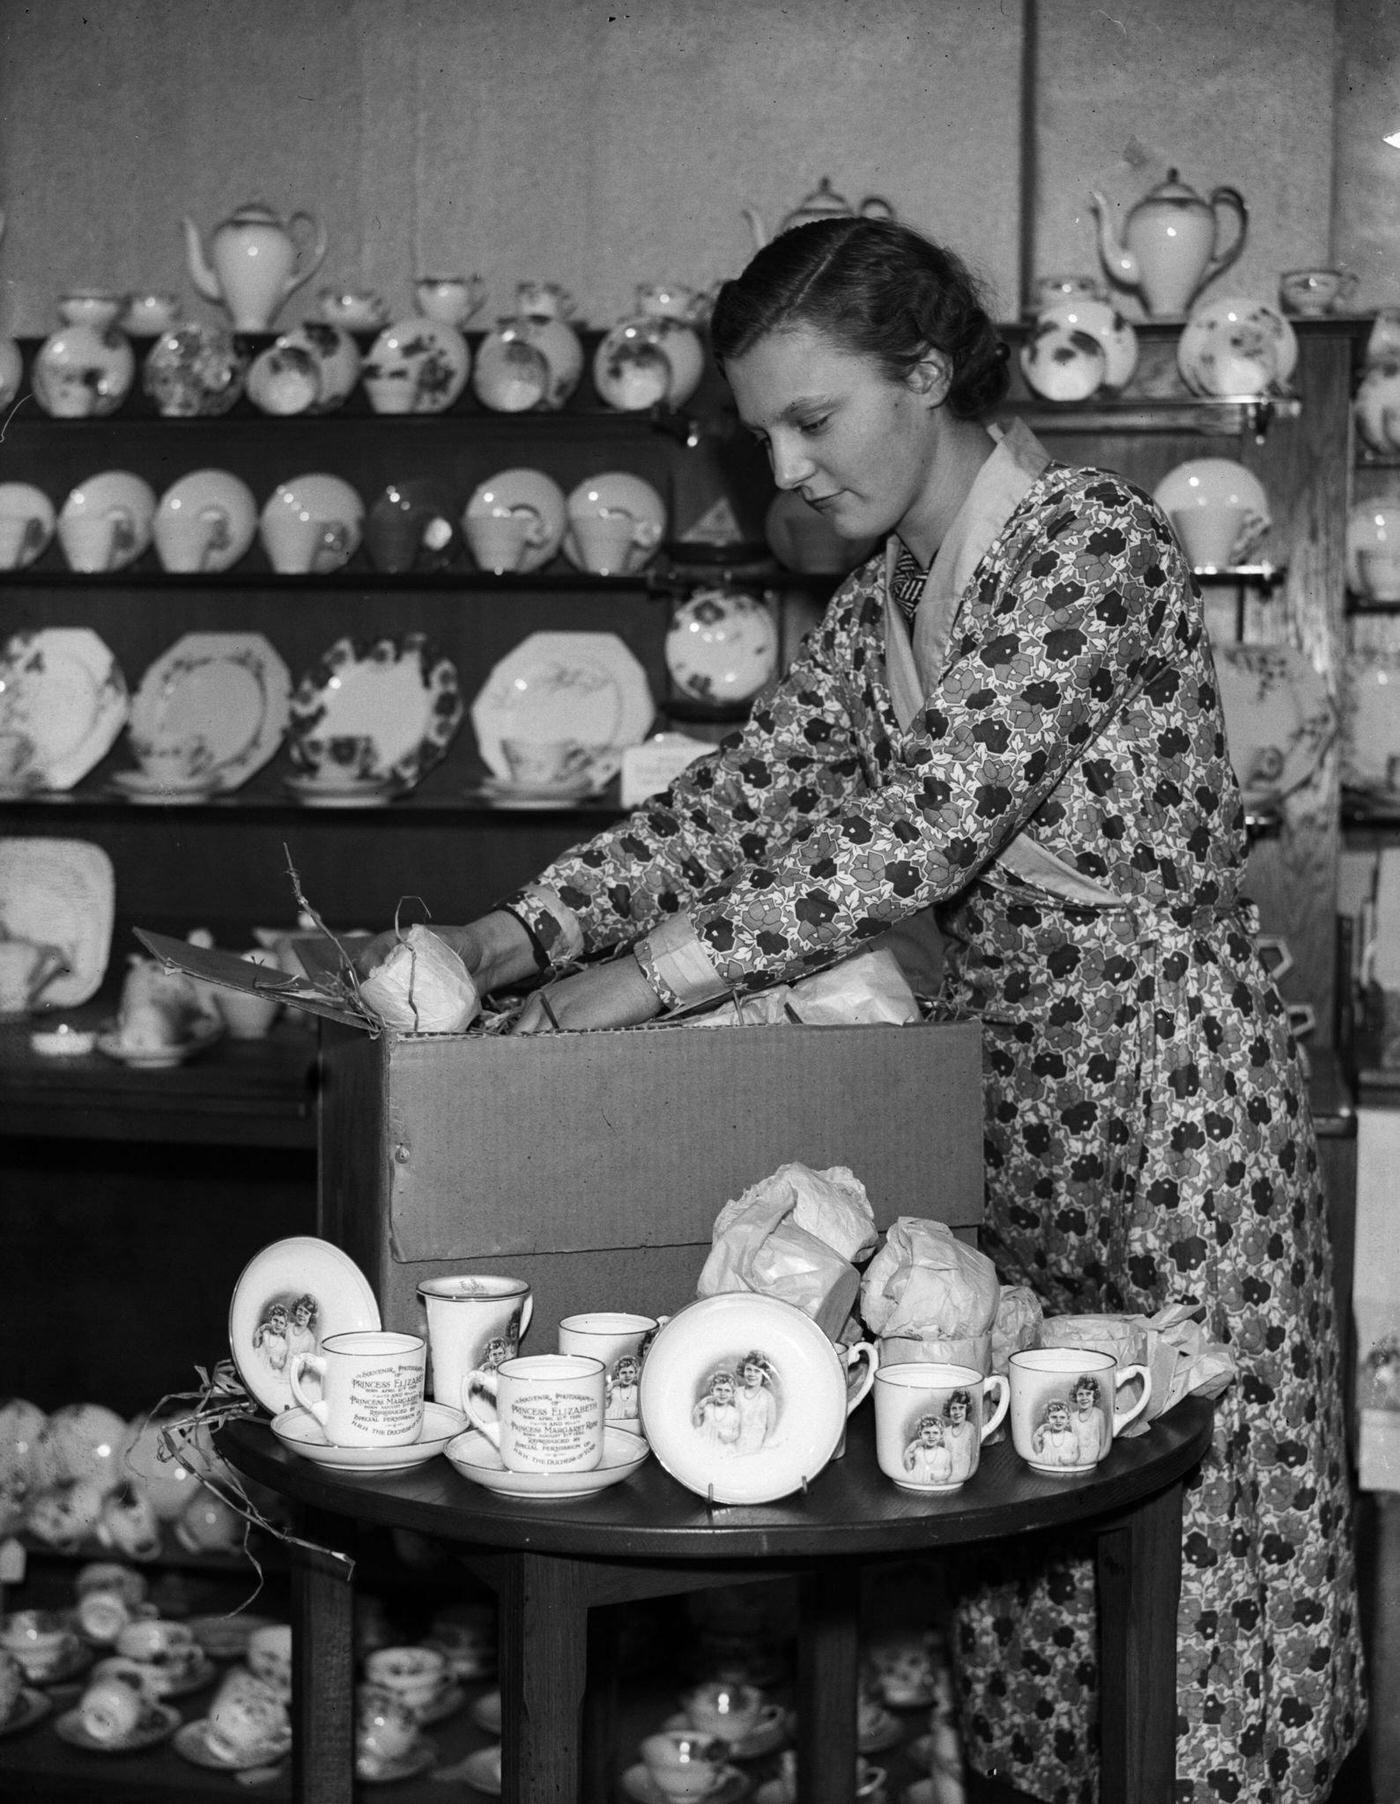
(228,694)
(1233,344)
(83,372)
(722,645)
(333,356)
(194,371)
(60,892)
(417,365)
(528,362)
(394,696)
(648,361)
(1279,716)
(582,686)
(63,700)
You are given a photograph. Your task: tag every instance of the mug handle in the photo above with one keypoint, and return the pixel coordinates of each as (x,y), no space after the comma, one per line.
(994,1421)
(1121,1377)
(483,1384)
(864,1351)
(314,1407)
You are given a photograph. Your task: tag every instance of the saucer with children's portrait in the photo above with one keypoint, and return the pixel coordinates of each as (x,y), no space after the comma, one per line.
(300,1433)
(638,1784)
(286,1277)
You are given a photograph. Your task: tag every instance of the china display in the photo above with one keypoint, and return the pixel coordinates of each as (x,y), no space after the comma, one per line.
(1171,243)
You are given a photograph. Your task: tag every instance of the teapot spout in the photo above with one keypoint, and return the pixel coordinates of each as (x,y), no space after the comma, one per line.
(1120,262)
(760,236)
(201,275)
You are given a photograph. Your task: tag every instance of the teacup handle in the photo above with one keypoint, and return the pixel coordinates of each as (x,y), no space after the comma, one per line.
(537,534)
(1121,1421)
(314,1406)
(476,1386)
(1003,1389)
(860,1351)
(123,534)
(220,532)
(336,539)
(35,533)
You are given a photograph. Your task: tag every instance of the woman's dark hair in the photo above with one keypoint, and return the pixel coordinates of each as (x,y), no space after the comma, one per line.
(877,288)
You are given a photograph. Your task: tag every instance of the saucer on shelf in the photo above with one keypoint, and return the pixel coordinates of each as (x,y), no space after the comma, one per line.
(298,1432)
(638,1785)
(312,794)
(192,1740)
(482,1771)
(417,1759)
(524,795)
(141,787)
(475,1458)
(158,1722)
(30,1707)
(159,1058)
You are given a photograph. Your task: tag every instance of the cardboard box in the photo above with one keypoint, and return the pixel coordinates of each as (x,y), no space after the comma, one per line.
(594,1164)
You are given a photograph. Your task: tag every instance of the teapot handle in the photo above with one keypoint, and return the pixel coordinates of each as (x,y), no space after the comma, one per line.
(310,255)
(875,206)
(1232,199)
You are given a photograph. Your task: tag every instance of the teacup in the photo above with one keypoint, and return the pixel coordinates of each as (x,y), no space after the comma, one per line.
(386,1729)
(391,391)
(620,1340)
(548,763)
(685,1763)
(22,538)
(269,1657)
(148,315)
(166,1652)
(111,1707)
(26,970)
(208,1524)
(1063,1413)
(129,1524)
(297,544)
(187,540)
(1380,572)
(248,1016)
(931,1420)
(604,540)
(371,1387)
(474,1323)
(417,1676)
(247,1720)
(731,1711)
(178,762)
(109,1597)
(42,1641)
(1311,293)
(1212,534)
(500,539)
(356,309)
(66,1514)
(451,299)
(1050,289)
(95,543)
(542,1412)
(339,761)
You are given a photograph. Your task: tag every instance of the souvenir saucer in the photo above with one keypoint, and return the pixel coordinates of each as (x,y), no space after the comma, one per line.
(83,372)
(117,496)
(30,1707)
(417,1759)
(158,1722)
(475,1458)
(194,371)
(312,793)
(529,492)
(192,1740)
(332,357)
(619,492)
(22,501)
(1203,481)
(638,1785)
(582,686)
(225,521)
(764,1740)
(63,700)
(482,1771)
(301,1433)
(228,693)
(287,1299)
(60,892)
(160,1058)
(485,1711)
(721,646)
(743,1397)
(416,365)
(395,697)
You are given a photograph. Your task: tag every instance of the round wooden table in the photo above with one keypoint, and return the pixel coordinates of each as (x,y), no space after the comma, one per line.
(550,1563)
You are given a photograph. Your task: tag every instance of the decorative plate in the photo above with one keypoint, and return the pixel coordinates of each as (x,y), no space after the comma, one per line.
(118,495)
(1203,481)
(63,700)
(530,492)
(30,1707)
(194,371)
(649,360)
(21,501)
(1102,321)
(60,892)
(283,379)
(413,525)
(302,1434)
(722,645)
(287,1299)
(396,698)
(205,521)
(1370,718)
(157,1723)
(528,362)
(328,499)
(192,1741)
(618,492)
(1371,526)
(475,1458)
(160,1058)
(83,372)
(417,365)
(639,1786)
(1279,717)
(736,1441)
(1235,345)
(582,686)
(228,695)
(333,356)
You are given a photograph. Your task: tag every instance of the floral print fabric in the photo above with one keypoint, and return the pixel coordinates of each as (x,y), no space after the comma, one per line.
(1147,1131)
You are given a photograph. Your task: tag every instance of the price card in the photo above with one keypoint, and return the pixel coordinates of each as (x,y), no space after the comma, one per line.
(649,768)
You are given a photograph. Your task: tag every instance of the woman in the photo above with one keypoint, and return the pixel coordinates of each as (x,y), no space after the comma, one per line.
(1009,714)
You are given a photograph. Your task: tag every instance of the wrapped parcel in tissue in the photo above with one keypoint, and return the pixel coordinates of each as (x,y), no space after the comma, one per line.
(422,987)
(928,1295)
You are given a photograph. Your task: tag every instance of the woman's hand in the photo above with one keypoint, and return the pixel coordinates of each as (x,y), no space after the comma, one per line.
(614,994)
(496,950)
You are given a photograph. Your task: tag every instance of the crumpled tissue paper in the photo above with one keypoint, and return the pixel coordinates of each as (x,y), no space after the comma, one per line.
(422,987)
(929,1295)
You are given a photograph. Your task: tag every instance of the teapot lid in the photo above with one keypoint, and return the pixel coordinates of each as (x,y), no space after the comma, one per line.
(1173,188)
(253,212)
(821,203)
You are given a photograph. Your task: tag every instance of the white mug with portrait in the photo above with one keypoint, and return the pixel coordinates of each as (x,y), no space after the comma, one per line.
(1064,1414)
(475,1321)
(931,1419)
(620,1340)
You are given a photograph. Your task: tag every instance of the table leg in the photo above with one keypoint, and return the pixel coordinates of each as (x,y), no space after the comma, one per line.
(544,1667)
(828,1661)
(323,1673)
(1138,1560)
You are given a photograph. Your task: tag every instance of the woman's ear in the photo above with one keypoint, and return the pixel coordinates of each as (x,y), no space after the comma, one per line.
(932,377)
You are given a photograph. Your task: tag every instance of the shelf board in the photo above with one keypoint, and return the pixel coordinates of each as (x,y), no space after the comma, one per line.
(1227,416)
(451,803)
(650,584)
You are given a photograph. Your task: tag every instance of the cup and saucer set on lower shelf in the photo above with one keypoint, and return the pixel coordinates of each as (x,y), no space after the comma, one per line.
(247,1728)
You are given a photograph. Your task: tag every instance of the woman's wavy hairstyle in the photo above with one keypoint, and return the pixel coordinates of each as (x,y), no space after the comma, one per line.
(877,288)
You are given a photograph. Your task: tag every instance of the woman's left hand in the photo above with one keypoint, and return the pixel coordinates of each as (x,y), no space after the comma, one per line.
(614,994)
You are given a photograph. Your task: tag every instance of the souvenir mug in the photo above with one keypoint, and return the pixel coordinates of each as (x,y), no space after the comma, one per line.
(542,1412)
(931,1420)
(1063,1410)
(473,1323)
(620,1340)
(371,1387)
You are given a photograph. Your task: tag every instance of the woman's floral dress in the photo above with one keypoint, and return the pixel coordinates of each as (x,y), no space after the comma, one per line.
(1147,1130)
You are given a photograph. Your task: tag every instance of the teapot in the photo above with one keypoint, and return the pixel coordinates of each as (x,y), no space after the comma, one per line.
(1169,243)
(822,203)
(255,261)
(26,969)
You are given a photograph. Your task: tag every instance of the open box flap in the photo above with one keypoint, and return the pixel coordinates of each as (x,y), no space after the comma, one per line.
(316,994)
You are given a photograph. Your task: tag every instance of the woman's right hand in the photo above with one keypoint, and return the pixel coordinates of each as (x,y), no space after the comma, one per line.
(495,948)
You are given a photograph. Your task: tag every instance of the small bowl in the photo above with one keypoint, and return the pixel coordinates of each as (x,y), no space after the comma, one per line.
(356,309)
(148,315)
(98,307)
